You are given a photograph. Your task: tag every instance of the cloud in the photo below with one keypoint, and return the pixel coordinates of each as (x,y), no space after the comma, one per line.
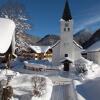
(87,22)
(92,21)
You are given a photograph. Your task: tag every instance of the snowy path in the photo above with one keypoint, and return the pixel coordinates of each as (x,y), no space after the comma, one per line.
(62,89)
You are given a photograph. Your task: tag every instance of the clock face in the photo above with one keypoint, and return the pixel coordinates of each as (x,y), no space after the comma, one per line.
(65,44)
(66,24)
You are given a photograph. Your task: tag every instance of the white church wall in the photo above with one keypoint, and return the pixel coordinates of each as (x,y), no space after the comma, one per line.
(66,46)
(56,54)
(77,52)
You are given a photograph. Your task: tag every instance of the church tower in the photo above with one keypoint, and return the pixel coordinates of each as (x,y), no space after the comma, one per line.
(66,45)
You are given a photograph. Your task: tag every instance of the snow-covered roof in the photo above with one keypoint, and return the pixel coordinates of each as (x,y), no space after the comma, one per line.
(7,28)
(75,43)
(66,58)
(40,49)
(55,44)
(94,47)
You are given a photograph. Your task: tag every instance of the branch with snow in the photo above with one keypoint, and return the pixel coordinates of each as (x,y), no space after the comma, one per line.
(39,86)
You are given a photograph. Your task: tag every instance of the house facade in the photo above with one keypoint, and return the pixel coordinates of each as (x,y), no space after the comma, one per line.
(92,53)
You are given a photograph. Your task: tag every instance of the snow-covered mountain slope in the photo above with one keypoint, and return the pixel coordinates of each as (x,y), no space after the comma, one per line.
(82,36)
(48,40)
(94,38)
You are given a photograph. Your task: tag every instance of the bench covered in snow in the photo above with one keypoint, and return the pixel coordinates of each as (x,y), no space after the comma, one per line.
(34,66)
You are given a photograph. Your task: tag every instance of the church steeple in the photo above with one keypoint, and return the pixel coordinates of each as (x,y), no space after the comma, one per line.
(66,14)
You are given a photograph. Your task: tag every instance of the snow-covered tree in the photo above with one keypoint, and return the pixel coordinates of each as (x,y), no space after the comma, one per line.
(15,11)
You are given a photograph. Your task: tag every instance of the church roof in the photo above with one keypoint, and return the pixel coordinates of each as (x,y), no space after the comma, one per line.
(66,14)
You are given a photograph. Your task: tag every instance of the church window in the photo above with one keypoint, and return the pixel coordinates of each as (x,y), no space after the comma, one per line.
(66,55)
(66,25)
(64,29)
(68,29)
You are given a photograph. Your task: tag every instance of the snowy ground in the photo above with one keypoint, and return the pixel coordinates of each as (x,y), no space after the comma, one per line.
(22,85)
(58,83)
(88,88)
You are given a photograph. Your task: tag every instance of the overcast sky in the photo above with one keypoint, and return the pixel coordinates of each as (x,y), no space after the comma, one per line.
(45,15)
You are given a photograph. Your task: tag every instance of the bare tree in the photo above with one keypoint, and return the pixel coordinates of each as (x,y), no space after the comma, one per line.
(15,11)
(39,86)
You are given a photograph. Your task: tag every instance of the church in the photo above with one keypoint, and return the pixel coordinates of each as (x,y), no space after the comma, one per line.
(66,50)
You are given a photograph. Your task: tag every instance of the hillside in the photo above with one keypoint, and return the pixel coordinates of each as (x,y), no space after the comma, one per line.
(83,36)
(94,38)
(48,40)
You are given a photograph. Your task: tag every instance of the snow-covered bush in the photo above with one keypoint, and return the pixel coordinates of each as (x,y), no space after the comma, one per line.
(39,86)
(81,68)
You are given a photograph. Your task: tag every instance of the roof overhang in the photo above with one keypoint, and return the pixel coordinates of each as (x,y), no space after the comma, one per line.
(40,49)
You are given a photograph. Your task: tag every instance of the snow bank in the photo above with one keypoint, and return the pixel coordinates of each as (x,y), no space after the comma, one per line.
(23,88)
(89,88)
(22,85)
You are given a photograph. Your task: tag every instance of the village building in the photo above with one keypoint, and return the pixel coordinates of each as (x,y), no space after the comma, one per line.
(42,52)
(92,53)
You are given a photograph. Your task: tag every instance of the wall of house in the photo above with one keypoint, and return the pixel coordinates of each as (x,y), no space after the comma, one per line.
(56,54)
(94,56)
(77,52)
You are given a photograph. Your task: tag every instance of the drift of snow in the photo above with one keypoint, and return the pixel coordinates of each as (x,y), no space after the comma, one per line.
(7,28)
(89,88)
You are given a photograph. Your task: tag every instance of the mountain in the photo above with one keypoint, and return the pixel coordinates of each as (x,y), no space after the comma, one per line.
(94,38)
(83,36)
(48,40)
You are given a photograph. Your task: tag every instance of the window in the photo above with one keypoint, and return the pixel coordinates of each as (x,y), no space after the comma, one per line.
(66,24)
(66,55)
(68,29)
(64,29)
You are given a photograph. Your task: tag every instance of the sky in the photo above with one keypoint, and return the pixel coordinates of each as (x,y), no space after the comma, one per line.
(45,15)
